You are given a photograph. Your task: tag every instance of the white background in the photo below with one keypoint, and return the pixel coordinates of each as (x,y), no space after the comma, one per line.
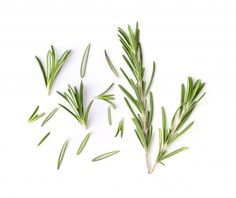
(184,37)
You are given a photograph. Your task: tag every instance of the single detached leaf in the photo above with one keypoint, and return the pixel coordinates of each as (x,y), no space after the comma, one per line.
(105,155)
(61,155)
(83,143)
(109,115)
(50,115)
(43,139)
(110,64)
(84,61)
(174,153)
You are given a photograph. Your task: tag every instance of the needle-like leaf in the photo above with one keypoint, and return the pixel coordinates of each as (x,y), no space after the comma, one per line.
(83,144)
(50,115)
(43,139)
(84,61)
(62,153)
(109,116)
(105,155)
(111,65)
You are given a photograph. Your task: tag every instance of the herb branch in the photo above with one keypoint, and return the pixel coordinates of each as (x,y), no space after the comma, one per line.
(190,97)
(141,98)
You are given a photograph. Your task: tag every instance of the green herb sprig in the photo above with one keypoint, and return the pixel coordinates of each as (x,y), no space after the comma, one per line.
(53,66)
(34,116)
(105,96)
(75,100)
(190,97)
(142,98)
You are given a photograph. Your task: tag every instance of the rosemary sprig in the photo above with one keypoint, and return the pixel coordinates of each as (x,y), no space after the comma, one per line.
(43,139)
(83,144)
(50,115)
(120,128)
(84,61)
(62,153)
(109,116)
(113,69)
(34,116)
(105,155)
(75,99)
(190,97)
(105,96)
(142,98)
(53,66)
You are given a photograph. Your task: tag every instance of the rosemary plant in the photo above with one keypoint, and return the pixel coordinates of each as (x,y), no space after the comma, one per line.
(141,98)
(190,96)
(75,99)
(53,66)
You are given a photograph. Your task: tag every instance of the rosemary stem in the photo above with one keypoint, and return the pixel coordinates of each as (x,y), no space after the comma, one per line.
(153,168)
(147,162)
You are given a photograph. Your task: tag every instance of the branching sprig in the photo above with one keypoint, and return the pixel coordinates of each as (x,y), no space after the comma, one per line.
(105,96)
(75,99)
(190,96)
(141,98)
(53,66)
(34,116)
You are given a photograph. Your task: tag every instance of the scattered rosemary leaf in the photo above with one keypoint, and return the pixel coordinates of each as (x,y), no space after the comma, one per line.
(62,153)
(83,144)
(105,155)
(120,129)
(34,116)
(107,97)
(111,65)
(84,61)
(44,138)
(109,116)
(50,115)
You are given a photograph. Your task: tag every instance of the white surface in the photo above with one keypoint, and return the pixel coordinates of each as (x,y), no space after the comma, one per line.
(195,38)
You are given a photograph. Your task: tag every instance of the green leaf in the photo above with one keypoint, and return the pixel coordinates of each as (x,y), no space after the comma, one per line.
(163,115)
(84,61)
(43,139)
(111,65)
(174,153)
(62,153)
(83,144)
(87,112)
(50,115)
(105,155)
(109,116)
(152,77)
(42,70)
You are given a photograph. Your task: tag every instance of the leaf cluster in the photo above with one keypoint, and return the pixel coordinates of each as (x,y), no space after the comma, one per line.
(75,100)
(53,66)
(34,116)
(105,96)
